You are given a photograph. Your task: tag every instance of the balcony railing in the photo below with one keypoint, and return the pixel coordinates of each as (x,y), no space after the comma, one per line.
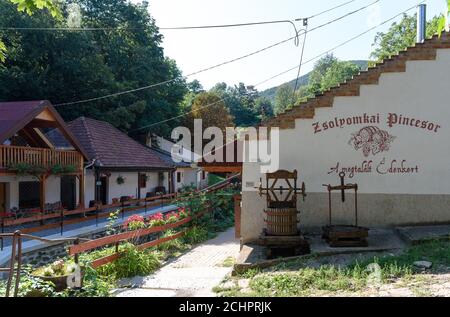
(45,158)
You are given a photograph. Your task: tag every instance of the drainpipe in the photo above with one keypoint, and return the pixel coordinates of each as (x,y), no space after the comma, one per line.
(421,22)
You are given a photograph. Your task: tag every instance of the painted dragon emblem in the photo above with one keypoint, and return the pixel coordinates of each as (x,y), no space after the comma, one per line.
(371,139)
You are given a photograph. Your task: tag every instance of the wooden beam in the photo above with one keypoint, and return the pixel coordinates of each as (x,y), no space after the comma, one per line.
(38,123)
(42,193)
(222,169)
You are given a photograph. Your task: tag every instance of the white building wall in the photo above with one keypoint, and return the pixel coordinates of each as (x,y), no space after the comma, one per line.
(188,178)
(419,193)
(52,193)
(89,187)
(128,188)
(53,189)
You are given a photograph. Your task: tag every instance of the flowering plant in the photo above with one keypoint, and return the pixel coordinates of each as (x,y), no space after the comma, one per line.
(134,222)
(157,219)
(171,217)
(182,213)
(57,266)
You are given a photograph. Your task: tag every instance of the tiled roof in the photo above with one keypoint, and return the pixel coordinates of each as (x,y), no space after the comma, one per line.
(397,63)
(111,147)
(14,116)
(167,157)
(17,114)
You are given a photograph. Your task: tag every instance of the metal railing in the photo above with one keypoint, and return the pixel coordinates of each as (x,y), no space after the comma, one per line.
(15,262)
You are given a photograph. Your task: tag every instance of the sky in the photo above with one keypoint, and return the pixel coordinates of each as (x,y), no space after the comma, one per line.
(197,49)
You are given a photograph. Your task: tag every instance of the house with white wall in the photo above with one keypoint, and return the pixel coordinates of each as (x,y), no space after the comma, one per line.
(187,172)
(119,165)
(35,176)
(387,129)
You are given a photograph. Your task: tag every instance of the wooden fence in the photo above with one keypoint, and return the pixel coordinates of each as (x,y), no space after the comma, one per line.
(116,239)
(97,212)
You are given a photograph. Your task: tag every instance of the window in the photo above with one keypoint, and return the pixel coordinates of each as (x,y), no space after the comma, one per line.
(142,181)
(178,177)
(29,195)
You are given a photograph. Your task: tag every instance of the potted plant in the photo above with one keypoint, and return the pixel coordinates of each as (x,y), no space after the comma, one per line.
(58,273)
(120,180)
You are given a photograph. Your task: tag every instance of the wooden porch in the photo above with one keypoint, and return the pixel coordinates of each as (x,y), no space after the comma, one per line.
(46,159)
(41,163)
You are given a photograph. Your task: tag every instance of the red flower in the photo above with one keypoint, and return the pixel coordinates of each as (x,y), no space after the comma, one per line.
(133,218)
(157,216)
(171,214)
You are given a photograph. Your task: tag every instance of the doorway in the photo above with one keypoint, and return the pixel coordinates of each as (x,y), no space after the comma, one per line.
(2,197)
(68,192)
(103,190)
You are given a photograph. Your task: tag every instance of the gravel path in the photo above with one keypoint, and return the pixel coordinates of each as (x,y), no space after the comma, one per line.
(192,274)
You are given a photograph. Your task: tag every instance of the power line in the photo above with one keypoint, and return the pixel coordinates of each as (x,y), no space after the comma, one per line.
(217,65)
(328,10)
(173,28)
(290,69)
(305,22)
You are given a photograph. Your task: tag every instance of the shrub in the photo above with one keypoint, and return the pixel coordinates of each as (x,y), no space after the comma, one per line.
(133,262)
(196,235)
(29,286)
(171,245)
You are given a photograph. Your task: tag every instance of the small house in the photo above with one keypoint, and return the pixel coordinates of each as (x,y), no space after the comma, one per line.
(35,176)
(119,167)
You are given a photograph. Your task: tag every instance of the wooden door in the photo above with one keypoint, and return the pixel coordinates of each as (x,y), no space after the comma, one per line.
(103,190)
(68,192)
(2,197)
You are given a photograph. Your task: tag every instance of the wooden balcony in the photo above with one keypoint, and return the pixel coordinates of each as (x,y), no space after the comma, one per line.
(39,157)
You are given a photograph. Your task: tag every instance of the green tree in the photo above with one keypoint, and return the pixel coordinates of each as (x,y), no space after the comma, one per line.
(30,6)
(213,111)
(241,102)
(283,98)
(264,108)
(317,74)
(338,73)
(400,36)
(66,66)
(327,72)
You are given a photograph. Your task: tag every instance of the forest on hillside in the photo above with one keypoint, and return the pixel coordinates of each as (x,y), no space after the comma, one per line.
(85,73)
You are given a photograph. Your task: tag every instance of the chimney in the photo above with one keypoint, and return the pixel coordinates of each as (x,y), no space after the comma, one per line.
(421,22)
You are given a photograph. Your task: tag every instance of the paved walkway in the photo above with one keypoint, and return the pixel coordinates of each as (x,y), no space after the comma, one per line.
(192,274)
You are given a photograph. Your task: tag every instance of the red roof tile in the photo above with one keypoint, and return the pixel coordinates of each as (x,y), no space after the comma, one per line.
(113,148)
(14,116)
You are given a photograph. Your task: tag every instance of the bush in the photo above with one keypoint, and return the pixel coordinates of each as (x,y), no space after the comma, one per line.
(29,286)
(132,262)
(196,235)
(172,245)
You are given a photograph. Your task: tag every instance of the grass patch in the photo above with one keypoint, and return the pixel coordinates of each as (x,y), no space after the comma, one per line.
(229,262)
(295,278)
(308,280)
